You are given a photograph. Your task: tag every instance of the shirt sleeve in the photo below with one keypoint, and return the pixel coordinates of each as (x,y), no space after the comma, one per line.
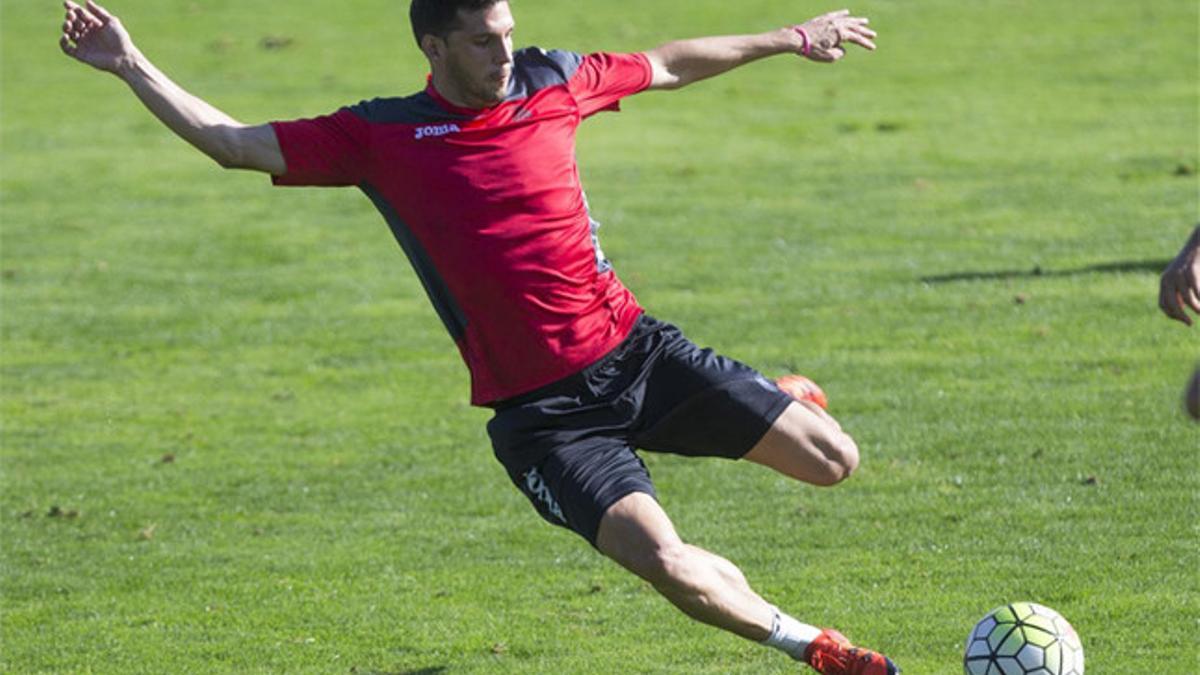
(331,150)
(603,79)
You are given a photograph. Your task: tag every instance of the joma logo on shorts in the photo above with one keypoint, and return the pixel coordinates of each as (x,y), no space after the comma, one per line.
(537,489)
(433,130)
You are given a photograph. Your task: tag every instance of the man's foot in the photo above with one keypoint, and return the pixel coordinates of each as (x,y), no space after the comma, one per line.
(832,654)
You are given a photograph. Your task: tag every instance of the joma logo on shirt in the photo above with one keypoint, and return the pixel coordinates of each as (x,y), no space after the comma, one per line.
(436,130)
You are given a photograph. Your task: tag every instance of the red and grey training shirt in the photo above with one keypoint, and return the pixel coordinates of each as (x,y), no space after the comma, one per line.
(489,208)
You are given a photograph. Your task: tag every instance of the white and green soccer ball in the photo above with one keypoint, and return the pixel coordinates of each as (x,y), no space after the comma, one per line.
(1023,638)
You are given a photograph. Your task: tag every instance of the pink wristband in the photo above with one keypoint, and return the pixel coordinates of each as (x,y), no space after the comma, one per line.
(806,49)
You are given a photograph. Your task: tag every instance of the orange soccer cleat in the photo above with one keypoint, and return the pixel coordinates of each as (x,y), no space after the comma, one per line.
(832,654)
(801,388)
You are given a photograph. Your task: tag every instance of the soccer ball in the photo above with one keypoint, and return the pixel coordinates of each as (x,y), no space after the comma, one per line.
(1023,638)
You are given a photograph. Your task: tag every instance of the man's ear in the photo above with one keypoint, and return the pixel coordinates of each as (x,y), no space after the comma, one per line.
(433,46)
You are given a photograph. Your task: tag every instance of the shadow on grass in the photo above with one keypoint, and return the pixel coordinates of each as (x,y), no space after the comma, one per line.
(1155,266)
(435,670)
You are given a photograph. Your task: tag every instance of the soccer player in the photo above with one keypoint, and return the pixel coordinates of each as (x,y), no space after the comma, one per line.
(1179,291)
(476,177)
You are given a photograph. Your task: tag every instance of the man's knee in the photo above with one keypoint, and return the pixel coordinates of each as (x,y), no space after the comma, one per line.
(840,459)
(807,444)
(667,567)
(637,534)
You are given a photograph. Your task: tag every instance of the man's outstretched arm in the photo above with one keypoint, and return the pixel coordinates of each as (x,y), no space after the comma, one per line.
(680,63)
(97,38)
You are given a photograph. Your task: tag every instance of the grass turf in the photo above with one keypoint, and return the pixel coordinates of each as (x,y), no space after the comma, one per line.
(235,436)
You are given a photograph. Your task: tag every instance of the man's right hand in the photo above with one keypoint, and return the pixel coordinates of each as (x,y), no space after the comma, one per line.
(95,37)
(92,35)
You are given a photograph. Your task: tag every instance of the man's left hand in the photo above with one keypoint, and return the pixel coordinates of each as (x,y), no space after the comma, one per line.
(828,32)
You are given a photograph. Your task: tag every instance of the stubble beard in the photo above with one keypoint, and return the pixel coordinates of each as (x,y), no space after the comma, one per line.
(482,89)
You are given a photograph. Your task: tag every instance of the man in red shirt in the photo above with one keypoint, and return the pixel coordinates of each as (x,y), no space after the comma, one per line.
(476,177)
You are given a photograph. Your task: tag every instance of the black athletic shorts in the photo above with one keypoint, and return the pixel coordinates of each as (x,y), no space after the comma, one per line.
(569,446)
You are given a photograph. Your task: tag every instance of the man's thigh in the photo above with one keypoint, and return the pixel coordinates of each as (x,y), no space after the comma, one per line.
(576,484)
(700,403)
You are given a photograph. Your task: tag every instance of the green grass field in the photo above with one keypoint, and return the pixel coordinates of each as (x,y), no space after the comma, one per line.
(236,438)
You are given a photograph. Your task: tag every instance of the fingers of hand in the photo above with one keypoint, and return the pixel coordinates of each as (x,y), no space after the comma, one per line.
(1179,290)
(70,32)
(1184,317)
(80,16)
(829,32)
(1170,302)
(855,30)
(1192,298)
(76,23)
(1191,286)
(858,24)
(825,55)
(74,31)
(859,39)
(99,11)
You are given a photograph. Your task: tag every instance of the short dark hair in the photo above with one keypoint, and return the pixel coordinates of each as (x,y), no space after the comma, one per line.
(440,17)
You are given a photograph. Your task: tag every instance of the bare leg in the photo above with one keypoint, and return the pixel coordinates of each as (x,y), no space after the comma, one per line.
(804,443)
(807,444)
(637,533)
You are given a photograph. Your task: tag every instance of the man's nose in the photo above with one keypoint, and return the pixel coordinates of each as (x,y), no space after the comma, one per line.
(504,54)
